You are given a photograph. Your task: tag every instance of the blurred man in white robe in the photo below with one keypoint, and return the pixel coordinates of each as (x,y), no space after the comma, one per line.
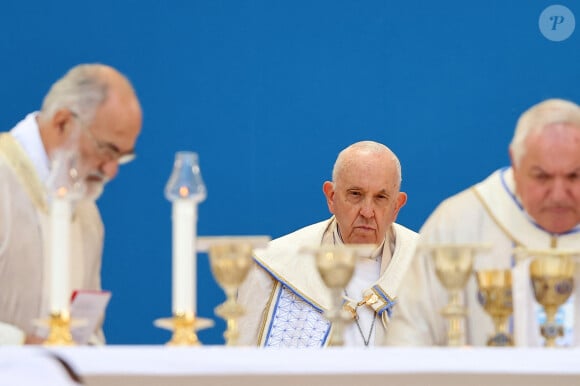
(94,109)
(533,204)
(284,295)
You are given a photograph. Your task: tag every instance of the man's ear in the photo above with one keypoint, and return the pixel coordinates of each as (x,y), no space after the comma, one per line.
(328,189)
(511,154)
(61,122)
(401,201)
(55,130)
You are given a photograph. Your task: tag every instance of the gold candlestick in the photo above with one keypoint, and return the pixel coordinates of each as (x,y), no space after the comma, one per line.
(184,326)
(185,189)
(184,332)
(59,330)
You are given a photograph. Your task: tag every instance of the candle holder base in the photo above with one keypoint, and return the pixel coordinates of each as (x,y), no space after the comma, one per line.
(59,329)
(184,327)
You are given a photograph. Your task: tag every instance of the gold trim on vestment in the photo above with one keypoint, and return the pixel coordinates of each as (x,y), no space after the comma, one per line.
(495,219)
(18,160)
(293,288)
(266,312)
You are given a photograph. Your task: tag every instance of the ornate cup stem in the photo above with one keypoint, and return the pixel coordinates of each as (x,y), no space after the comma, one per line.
(502,336)
(550,323)
(230,310)
(232,334)
(501,324)
(455,315)
(335,316)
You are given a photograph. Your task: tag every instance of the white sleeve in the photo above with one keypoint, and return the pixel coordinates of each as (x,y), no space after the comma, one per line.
(11,335)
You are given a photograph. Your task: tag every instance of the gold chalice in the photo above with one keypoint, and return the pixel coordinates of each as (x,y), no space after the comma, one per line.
(453,267)
(495,295)
(230,264)
(336,267)
(553,282)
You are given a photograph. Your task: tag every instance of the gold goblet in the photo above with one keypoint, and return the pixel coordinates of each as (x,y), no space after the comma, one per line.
(453,267)
(495,295)
(230,264)
(553,281)
(336,267)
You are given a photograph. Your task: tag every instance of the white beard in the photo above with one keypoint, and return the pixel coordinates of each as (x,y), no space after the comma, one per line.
(94,187)
(94,190)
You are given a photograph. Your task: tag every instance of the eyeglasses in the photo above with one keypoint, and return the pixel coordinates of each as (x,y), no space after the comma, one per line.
(107,150)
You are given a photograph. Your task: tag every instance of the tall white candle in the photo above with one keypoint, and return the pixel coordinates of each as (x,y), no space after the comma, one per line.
(60,216)
(184,265)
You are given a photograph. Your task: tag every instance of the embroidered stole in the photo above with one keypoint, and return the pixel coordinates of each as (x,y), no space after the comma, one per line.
(299,298)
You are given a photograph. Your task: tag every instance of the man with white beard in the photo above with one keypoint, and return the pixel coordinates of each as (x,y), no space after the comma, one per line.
(534,204)
(94,111)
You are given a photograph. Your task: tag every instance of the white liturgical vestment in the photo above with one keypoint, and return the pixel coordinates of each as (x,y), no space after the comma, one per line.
(23,233)
(487,213)
(285,298)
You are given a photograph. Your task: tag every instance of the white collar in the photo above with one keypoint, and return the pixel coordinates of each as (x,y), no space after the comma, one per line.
(27,134)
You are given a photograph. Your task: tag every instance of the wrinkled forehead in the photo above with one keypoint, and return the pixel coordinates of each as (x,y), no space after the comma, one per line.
(558,131)
(372,172)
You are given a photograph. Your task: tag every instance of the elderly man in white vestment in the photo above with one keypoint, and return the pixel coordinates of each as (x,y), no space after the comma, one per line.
(534,204)
(97,106)
(284,295)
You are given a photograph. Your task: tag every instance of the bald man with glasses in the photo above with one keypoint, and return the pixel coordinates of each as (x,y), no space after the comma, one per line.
(93,110)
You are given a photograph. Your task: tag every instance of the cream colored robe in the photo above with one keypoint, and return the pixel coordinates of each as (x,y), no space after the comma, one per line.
(486,213)
(23,228)
(285,283)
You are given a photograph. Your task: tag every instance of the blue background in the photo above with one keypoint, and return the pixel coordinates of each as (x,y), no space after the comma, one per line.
(268,92)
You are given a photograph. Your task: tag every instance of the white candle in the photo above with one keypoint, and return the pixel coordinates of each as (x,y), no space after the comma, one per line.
(60,216)
(184,257)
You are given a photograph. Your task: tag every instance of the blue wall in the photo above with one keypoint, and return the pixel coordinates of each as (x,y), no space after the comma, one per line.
(267,92)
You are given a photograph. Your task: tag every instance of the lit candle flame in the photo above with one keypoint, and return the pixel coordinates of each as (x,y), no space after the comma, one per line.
(183,191)
(62,191)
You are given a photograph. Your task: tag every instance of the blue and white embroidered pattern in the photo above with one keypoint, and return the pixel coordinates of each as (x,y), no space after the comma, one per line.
(296,323)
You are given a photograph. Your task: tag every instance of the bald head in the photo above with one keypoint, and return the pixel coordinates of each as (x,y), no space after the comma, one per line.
(364,194)
(352,154)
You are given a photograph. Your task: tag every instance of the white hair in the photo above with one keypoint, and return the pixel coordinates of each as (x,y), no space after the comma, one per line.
(82,89)
(539,117)
(372,147)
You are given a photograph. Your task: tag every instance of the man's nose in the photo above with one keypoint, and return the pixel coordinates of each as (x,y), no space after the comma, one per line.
(560,189)
(110,168)
(367,209)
